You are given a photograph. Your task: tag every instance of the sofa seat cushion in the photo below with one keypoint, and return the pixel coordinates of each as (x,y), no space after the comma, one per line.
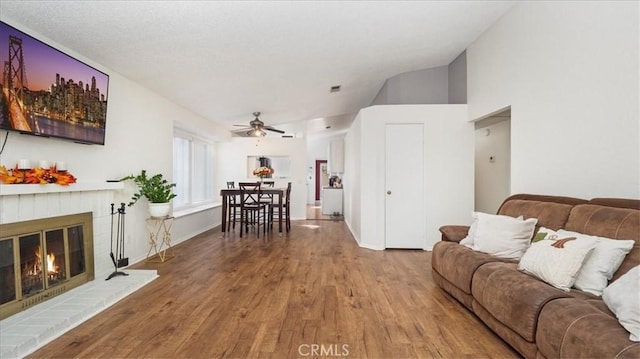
(462,297)
(457,263)
(575,328)
(578,294)
(512,297)
(599,304)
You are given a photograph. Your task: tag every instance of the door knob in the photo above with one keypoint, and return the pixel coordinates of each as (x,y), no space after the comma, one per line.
(388,192)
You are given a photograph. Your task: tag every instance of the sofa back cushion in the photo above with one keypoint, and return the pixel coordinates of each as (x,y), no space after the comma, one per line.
(552,212)
(610,222)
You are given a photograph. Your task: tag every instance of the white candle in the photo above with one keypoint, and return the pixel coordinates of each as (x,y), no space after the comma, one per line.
(43,164)
(24,164)
(61,166)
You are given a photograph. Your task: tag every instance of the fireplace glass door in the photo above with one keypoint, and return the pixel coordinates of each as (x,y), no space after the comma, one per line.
(31,267)
(55,258)
(7,273)
(76,251)
(43,258)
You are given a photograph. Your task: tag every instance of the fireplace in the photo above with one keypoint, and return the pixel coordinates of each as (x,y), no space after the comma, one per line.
(42,258)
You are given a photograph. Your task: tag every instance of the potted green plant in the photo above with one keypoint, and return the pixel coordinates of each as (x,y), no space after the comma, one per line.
(157,190)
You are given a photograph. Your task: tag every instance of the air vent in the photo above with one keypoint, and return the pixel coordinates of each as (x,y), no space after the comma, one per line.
(335,88)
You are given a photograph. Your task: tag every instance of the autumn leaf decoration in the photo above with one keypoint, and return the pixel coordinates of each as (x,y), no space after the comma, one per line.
(35,176)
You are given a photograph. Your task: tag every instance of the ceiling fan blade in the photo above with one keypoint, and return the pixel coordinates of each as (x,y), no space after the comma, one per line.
(269,128)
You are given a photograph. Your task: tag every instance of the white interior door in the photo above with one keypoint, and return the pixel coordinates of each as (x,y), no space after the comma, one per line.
(404,179)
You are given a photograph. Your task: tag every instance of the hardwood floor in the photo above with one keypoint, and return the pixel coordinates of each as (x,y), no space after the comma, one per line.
(314,211)
(284,297)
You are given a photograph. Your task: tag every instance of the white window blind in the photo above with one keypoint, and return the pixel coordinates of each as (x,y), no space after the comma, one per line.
(193,166)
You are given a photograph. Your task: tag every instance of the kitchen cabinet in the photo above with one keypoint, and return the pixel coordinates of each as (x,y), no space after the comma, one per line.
(335,163)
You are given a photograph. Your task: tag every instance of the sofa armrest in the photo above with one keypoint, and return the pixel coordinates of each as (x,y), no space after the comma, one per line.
(454,233)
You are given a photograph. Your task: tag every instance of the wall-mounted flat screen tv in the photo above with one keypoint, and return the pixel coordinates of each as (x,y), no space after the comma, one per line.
(46,92)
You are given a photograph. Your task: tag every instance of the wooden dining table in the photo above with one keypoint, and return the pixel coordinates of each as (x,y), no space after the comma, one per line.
(231,192)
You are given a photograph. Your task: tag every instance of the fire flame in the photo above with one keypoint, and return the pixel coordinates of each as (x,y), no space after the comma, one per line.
(37,265)
(51,267)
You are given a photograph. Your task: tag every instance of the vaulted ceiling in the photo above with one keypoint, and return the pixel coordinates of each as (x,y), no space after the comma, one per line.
(224,60)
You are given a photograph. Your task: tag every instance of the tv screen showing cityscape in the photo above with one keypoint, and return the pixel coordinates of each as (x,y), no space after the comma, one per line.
(46,92)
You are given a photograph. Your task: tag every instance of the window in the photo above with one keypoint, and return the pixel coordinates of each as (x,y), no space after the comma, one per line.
(193,163)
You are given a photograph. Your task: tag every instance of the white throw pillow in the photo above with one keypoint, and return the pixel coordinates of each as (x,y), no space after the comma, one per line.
(503,236)
(468,240)
(601,264)
(623,298)
(557,266)
(545,233)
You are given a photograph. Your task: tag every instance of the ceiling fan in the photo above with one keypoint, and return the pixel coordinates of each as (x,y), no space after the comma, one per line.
(257,128)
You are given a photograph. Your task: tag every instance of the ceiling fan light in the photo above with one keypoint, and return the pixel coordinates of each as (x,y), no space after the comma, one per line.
(256,133)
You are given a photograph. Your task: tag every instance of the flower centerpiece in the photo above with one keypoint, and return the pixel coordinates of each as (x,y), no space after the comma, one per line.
(36,176)
(263,172)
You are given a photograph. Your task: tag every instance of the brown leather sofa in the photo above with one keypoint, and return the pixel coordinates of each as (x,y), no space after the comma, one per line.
(536,319)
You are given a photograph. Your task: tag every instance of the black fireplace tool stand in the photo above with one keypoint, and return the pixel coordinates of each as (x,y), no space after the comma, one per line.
(117,237)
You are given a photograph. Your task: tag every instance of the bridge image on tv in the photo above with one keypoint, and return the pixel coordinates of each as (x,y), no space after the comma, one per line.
(36,98)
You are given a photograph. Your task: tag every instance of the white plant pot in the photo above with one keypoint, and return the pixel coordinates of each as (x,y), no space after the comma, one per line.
(159,210)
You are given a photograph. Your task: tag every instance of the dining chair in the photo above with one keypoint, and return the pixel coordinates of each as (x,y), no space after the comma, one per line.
(275,213)
(268,198)
(252,211)
(233,207)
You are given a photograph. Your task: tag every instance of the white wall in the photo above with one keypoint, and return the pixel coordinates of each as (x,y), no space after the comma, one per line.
(426,86)
(232,165)
(449,155)
(569,71)
(139,135)
(458,79)
(351,180)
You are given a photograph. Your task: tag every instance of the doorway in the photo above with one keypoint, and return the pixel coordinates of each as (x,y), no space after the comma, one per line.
(492,161)
(322,178)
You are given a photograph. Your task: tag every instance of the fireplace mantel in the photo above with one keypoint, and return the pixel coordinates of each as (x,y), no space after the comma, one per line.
(19,189)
